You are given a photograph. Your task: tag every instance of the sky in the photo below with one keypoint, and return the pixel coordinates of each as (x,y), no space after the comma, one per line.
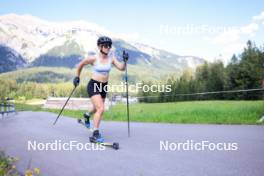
(206,28)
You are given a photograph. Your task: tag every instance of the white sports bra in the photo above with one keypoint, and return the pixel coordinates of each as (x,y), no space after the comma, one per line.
(103,69)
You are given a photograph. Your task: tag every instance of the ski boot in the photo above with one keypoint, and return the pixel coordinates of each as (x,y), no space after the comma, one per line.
(96,137)
(87,119)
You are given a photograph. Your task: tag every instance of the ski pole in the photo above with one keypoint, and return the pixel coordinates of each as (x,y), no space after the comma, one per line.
(64,105)
(127,102)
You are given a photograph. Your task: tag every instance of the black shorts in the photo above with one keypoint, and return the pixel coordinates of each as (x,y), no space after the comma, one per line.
(95,87)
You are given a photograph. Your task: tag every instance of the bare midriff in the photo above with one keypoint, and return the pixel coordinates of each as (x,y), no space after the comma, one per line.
(100,77)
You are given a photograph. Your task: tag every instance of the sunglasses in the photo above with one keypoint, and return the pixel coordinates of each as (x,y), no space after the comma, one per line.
(106,46)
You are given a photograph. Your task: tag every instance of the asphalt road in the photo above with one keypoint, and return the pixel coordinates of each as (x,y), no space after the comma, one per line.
(142,154)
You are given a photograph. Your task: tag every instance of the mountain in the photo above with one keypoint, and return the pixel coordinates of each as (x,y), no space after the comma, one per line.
(168,60)
(10,60)
(64,44)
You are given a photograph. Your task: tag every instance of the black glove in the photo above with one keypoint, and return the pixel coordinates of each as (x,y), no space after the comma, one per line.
(76,81)
(125,56)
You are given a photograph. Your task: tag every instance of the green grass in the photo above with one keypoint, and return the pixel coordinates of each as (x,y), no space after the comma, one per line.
(209,112)
(204,112)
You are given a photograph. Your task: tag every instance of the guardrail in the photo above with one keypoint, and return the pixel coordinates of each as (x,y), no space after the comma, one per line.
(7,106)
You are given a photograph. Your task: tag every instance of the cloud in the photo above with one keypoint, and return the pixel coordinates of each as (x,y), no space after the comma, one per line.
(226,37)
(233,40)
(249,29)
(259,17)
(234,35)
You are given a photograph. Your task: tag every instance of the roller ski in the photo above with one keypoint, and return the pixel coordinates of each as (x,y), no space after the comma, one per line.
(96,136)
